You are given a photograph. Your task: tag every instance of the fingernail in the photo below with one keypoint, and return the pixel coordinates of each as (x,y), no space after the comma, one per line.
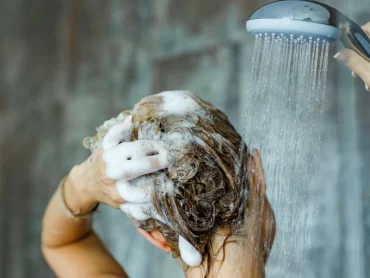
(367,87)
(354,75)
(340,57)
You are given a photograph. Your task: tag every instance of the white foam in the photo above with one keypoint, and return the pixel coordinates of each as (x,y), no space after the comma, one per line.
(141,211)
(132,159)
(118,131)
(137,211)
(177,137)
(178,103)
(121,116)
(166,184)
(188,253)
(139,190)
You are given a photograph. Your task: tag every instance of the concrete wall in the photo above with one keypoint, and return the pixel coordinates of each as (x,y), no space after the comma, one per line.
(66,66)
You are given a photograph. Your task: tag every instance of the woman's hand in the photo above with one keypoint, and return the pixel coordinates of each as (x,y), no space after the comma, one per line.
(112,174)
(87,184)
(355,62)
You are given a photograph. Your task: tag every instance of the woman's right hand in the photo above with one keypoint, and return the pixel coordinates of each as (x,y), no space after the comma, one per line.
(355,62)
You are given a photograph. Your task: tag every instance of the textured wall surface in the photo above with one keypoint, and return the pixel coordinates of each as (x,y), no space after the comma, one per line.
(66,66)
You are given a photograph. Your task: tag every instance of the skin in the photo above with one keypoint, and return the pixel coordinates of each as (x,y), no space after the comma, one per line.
(72,249)
(359,66)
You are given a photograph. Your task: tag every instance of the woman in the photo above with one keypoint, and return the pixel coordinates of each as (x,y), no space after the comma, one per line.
(73,250)
(179,170)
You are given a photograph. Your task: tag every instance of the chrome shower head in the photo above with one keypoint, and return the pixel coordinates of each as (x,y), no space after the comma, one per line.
(311,19)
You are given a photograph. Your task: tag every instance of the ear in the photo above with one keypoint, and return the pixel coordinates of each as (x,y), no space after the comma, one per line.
(156,238)
(258,183)
(268,229)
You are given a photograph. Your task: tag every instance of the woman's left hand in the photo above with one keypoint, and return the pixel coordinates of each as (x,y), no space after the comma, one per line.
(111,172)
(87,184)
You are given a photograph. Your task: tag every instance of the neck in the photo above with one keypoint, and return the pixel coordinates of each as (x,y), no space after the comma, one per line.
(240,261)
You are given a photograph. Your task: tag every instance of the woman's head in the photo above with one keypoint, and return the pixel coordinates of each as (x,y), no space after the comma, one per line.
(207,182)
(207,191)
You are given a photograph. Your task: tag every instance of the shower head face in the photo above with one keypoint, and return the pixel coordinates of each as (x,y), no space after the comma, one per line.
(291,28)
(296,18)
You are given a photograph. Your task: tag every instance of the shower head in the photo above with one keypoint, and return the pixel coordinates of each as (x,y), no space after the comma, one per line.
(310,19)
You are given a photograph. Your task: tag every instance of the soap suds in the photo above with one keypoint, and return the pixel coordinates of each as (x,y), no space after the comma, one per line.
(117,133)
(170,103)
(137,190)
(141,189)
(137,211)
(188,253)
(178,103)
(95,142)
(163,184)
(132,159)
(141,211)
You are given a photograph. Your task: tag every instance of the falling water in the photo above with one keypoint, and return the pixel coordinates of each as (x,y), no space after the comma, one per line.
(284,103)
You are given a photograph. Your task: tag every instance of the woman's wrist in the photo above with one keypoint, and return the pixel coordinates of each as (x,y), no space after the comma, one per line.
(77,197)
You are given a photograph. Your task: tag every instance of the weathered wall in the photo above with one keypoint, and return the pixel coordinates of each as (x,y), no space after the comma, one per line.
(66,66)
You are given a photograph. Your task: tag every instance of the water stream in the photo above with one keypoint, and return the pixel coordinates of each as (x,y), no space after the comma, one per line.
(282,111)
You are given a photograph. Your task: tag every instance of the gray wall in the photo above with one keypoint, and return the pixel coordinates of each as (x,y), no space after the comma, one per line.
(66,66)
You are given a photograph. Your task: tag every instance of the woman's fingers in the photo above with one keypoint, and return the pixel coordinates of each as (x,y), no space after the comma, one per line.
(137,211)
(117,133)
(359,66)
(132,159)
(144,166)
(356,63)
(366,28)
(134,168)
(122,171)
(141,211)
(139,190)
(139,195)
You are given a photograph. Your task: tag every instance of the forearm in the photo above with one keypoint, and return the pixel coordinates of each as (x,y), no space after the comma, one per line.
(57,228)
(70,246)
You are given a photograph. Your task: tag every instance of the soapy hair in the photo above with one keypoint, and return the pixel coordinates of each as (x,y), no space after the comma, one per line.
(209,176)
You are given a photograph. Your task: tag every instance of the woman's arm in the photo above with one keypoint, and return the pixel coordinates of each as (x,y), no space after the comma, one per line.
(70,246)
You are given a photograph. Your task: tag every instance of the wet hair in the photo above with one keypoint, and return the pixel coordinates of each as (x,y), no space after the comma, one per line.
(209,176)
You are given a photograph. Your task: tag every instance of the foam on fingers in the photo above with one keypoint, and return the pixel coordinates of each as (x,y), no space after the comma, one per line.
(141,211)
(137,211)
(132,159)
(139,190)
(145,165)
(117,133)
